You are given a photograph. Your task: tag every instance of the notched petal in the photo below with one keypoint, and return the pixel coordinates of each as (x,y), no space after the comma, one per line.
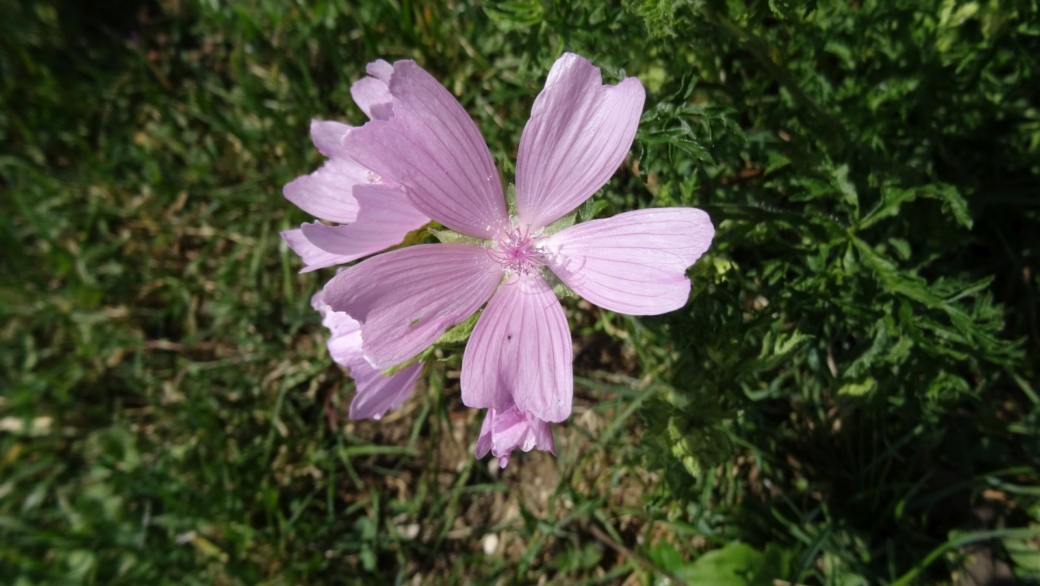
(632,263)
(578,135)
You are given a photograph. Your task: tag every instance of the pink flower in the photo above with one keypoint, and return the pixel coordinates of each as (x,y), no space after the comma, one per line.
(518,358)
(510,429)
(376,393)
(376,215)
(374,209)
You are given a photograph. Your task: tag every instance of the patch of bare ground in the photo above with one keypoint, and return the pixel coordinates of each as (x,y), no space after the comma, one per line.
(521,516)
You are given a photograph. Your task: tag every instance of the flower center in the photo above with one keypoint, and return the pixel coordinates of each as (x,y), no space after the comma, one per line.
(517,250)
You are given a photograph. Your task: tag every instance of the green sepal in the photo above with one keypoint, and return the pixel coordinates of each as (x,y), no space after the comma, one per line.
(511,199)
(459,332)
(415,236)
(399,367)
(591,208)
(558,287)
(561,224)
(452,237)
(455,335)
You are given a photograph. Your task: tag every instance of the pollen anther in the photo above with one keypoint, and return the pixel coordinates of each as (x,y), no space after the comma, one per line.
(517,251)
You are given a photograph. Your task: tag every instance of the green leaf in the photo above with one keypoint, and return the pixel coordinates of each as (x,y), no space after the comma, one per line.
(887,272)
(882,342)
(510,15)
(847,189)
(739,564)
(859,388)
(893,197)
(776,351)
(1026,557)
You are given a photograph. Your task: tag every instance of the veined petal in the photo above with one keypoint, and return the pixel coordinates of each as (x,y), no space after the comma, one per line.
(632,263)
(313,257)
(579,133)
(384,218)
(520,352)
(373,97)
(376,393)
(326,193)
(406,298)
(433,148)
(328,135)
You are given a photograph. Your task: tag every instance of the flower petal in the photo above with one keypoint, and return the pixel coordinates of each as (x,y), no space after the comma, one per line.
(406,298)
(380,70)
(344,333)
(373,97)
(433,148)
(313,257)
(484,439)
(384,218)
(326,193)
(376,393)
(327,136)
(633,263)
(579,133)
(521,352)
(509,429)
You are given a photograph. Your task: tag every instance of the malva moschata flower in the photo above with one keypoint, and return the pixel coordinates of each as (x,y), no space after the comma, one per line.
(517,362)
(376,392)
(374,214)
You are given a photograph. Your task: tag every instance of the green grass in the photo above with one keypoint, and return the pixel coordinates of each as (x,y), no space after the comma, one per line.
(848,398)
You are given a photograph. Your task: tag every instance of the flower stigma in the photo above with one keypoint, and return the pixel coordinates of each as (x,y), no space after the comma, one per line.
(517,250)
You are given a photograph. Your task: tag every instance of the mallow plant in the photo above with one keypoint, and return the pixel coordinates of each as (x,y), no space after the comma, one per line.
(422,158)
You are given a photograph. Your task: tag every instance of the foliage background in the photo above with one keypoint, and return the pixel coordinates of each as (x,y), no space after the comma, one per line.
(849,397)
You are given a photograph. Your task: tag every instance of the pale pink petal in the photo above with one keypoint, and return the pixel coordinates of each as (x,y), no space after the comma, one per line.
(313,257)
(326,193)
(509,430)
(505,430)
(376,393)
(433,148)
(406,298)
(520,351)
(484,439)
(373,97)
(384,218)
(328,135)
(344,333)
(380,70)
(632,263)
(542,434)
(579,133)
